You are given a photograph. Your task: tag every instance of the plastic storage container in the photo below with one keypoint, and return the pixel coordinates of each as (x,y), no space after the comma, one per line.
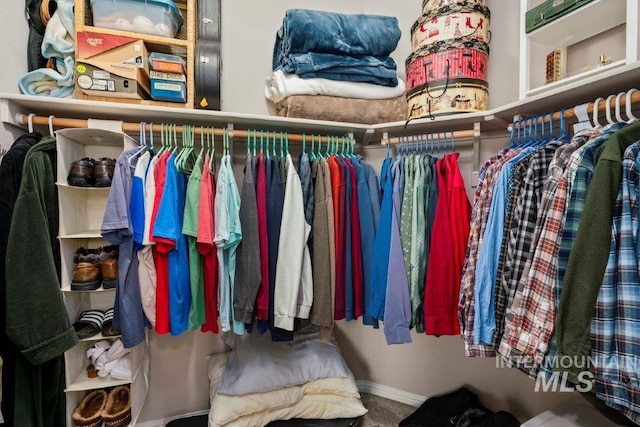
(156,17)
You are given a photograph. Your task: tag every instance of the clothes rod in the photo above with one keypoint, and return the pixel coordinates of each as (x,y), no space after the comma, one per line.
(427,136)
(128,127)
(632,95)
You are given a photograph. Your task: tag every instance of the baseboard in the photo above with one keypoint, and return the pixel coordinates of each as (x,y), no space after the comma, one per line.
(163,422)
(390,393)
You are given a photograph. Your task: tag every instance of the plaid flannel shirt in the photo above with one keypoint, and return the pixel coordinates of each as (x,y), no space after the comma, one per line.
(615,328)
(479,214)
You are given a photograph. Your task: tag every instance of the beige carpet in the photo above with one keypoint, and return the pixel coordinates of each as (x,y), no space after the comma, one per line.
(383,412)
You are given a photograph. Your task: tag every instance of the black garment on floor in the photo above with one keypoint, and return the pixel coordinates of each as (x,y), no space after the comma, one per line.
(10,178)
(460,408)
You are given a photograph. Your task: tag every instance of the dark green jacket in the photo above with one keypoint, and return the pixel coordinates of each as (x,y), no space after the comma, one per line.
(590,253)
(37,320)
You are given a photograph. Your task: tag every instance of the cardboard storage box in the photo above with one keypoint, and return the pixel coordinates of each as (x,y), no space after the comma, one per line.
(111,66)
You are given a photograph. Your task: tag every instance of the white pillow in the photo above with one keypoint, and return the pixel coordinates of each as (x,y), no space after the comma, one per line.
(326,398)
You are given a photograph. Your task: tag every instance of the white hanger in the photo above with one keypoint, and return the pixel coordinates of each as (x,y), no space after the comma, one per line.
(608,109)
(30,122)
(618,116)
(595,112)
(627,106)
(51,117)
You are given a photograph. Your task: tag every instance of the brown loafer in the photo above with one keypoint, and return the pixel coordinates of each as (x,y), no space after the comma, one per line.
(89,411)
(109,266)
(87,275)
(103,172)
(81,173)
(117,411)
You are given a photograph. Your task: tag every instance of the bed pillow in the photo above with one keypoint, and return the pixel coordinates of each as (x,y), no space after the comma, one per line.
(258,364)
(326,398)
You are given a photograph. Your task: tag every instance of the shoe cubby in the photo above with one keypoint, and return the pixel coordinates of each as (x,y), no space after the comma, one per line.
(81,210)
(68,248)
(79,385)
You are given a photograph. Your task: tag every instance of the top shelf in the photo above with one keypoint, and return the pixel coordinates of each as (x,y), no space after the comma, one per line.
(583,23)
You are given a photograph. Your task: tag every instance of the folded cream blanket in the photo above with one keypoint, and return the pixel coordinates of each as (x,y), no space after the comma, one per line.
(337,109)
(280,85)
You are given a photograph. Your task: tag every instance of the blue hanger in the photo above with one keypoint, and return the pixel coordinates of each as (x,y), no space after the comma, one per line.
(565,135)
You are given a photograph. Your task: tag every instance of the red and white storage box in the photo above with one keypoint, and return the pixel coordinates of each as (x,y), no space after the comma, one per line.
(463,21)
(448,97)
(429,5)
(447,60)
(156,17)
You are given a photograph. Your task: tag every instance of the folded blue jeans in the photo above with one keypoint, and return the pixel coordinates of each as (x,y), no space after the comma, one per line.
(305,31)
(369,69)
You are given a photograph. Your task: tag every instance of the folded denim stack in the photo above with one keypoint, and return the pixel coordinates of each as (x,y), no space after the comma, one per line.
(341,57)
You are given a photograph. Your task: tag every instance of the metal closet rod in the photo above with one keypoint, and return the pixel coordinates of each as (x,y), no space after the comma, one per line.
(459,134)
(129,127)
(602,105)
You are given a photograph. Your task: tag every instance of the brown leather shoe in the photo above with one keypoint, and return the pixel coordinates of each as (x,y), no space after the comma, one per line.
(86,273)
(89,411)
(109,266)
(81,173)
(103,172)
(117,411)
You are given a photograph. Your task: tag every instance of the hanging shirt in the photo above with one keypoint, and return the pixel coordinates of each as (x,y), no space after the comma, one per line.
(348,258)
(116,228)
(488,253)
(168,227)
(589,255)
(248,269)
(227,237)
(207,248)
(397,309)
(293,293)
(275,203)
(337,186)
(380,264)
(160,258)
(407,213)
(262,302)
(356,248)
(197,313)
(304,173)
(374,192)
(479,215)
(367,236)
(440,291)
(137,203)
(614,332)
(146,266)
(322,308)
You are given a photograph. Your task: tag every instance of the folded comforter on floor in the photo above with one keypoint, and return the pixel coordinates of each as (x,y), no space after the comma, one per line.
(337,109)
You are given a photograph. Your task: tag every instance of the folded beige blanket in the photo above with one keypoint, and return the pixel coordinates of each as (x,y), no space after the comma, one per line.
(351,110)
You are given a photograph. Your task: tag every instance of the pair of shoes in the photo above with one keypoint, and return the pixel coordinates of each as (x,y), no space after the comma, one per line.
(92,322)
(87,172)
(98,406)
(94,267)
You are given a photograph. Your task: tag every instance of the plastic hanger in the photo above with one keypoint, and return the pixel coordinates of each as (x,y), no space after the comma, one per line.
(30,122)
(617,110)
(627,106)
(142,143)
(595,111)
(51,133)
(608,109)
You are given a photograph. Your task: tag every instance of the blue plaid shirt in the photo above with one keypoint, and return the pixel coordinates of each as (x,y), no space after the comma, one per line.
(615,328)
